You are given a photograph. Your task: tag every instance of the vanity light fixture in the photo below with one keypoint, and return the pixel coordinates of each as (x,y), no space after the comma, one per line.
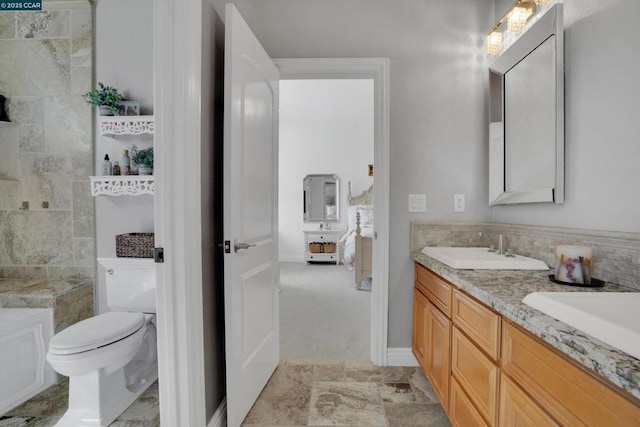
(517,17)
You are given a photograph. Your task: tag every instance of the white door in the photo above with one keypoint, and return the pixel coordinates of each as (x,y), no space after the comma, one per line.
(250,216)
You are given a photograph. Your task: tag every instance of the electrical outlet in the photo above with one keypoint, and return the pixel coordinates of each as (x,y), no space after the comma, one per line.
(458,203)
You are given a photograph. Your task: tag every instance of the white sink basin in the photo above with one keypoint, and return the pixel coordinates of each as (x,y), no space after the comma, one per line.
(482,259)
(612,317)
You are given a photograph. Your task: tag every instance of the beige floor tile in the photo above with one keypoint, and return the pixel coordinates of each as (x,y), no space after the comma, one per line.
(415,414)
(376,374)
(397,393)
(421,387)
(285,399)
(346,404)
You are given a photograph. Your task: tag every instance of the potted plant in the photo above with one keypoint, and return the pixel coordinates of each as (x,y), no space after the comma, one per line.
(144,159)
(106,98)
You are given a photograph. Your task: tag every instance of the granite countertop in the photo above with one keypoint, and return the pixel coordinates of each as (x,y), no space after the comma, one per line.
(503,290)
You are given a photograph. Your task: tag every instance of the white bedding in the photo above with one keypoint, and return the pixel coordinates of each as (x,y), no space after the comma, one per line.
(348,242)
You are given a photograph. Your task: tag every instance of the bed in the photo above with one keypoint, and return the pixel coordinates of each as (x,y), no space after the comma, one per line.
(358,240)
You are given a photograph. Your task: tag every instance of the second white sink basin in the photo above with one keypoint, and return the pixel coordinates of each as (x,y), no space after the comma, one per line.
(482,259)
(612,317)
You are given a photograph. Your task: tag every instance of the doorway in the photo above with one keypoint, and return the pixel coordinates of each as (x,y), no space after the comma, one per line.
(376,70)
(327,131)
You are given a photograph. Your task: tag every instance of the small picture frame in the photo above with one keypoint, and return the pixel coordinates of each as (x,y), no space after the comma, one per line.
(128,108)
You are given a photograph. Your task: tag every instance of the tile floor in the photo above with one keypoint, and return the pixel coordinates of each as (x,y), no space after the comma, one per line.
(45,409)
(346,394)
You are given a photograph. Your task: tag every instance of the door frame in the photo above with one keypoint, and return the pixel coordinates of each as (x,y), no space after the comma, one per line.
(376,69)
(177,35)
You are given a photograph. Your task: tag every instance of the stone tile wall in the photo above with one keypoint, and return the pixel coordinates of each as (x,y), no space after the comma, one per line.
(616,255)
(47,156)
(71,300)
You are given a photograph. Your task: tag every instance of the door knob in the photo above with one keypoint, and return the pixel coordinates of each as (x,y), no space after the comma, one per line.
(241,245)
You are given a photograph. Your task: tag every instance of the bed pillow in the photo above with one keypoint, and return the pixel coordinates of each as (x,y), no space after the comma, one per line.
(366,216)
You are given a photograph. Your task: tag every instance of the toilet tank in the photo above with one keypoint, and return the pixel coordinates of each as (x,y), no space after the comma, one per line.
(130,284)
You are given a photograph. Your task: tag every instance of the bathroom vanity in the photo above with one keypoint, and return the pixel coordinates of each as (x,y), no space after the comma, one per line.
(492,360)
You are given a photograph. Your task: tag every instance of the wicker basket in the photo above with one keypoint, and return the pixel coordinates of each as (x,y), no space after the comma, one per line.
(315,248)
(135,245)
(329,248)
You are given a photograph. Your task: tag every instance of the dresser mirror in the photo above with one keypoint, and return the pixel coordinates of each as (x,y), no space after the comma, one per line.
(321,198)
(526,129)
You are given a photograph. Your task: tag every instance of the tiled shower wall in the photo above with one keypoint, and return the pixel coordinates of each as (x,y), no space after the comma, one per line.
(47,155)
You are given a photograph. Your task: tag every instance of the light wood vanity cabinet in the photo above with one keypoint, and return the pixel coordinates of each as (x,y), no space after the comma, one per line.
(567,393)
(432,331)
(487,371)
(451,358)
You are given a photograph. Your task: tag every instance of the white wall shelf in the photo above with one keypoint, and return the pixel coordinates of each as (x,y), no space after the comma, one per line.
(128,185)
(127,125)
(6,124)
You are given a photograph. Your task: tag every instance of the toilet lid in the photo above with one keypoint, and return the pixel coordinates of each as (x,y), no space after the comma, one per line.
(96,332)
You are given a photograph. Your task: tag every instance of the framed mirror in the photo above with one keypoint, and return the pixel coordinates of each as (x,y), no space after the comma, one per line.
(321,198)
(526,129)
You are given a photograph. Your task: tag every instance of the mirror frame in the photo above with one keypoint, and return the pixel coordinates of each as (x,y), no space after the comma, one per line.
(307,198)
(547,25)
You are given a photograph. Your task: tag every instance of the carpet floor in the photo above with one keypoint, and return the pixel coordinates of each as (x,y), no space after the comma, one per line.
(323,318)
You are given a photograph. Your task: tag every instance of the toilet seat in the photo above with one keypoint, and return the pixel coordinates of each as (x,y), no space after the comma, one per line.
(96,332)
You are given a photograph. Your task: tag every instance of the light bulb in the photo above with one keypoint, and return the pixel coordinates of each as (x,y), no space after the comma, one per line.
(494,43)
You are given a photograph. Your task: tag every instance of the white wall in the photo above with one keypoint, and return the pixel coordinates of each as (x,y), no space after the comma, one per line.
(124,59)
(601,121)
(326,127)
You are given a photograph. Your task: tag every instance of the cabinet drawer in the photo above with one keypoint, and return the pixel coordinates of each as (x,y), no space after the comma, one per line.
(518,410)
(569,394)
(322,257)
(320,238)
(435,287)
(477,375)
(477,321)
(462,413)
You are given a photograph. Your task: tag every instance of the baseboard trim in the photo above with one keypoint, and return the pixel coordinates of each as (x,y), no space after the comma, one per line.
(401,356)
(219,419)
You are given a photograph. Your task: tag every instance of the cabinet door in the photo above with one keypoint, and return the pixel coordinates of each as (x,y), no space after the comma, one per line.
(418,342)
(462,413)
(518,410)
(438,338)
(477,375)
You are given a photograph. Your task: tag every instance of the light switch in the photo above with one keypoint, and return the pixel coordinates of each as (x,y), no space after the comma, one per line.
(417,202)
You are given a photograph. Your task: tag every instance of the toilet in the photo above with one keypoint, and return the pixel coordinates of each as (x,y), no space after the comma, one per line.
(110,359)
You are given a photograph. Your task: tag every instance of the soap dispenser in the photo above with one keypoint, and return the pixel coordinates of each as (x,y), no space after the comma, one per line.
(106,166)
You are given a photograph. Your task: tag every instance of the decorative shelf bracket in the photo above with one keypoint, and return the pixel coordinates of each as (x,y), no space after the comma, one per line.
(132,185)
(127,125)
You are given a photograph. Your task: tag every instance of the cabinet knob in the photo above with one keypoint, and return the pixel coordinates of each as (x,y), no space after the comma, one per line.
(110,272)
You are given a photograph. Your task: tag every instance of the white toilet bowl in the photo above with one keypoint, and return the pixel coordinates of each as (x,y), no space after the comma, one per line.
(110,359)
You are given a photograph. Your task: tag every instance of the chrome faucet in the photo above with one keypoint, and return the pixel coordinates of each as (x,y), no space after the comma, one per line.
(500,245)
